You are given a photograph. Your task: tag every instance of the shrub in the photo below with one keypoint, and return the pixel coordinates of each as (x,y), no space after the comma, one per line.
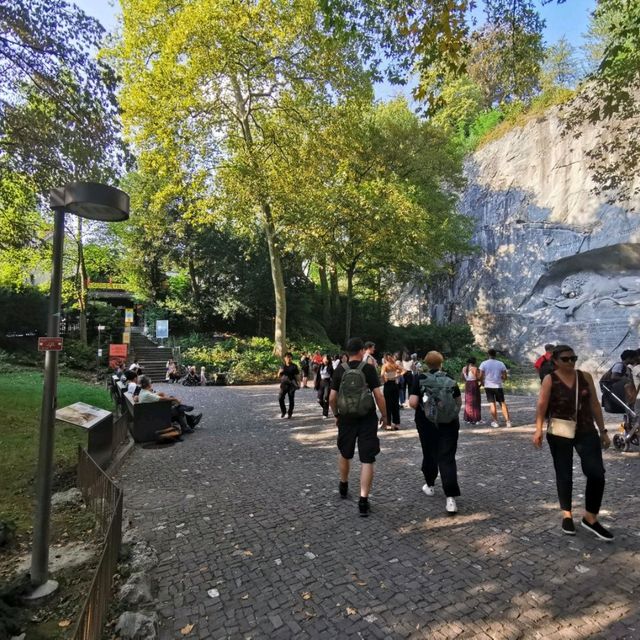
(77,355)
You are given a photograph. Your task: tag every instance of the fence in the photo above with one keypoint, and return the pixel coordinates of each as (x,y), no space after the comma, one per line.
(104,498)
(120,432)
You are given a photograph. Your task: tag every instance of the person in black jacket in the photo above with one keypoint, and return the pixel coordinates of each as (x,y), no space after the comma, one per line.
(322,384)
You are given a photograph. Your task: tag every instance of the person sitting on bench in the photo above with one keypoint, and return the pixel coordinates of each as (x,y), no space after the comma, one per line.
(132,383)
(179,411)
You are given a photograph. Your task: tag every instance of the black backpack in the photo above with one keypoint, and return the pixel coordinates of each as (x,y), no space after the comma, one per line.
(546,368)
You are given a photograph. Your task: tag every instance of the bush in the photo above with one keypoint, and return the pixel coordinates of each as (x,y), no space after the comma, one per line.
(246,360)
(78,356)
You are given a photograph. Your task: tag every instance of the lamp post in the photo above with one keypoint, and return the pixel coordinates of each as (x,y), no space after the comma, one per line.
(101,328)
(96,202)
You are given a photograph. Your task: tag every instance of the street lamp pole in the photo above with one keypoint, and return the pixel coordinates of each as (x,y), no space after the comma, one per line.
(96,202)
(40,554)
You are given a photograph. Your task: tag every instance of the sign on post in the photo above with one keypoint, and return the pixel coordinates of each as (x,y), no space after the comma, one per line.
(49,344)
(128,316)
(126,338)
(117,353)
(162,328)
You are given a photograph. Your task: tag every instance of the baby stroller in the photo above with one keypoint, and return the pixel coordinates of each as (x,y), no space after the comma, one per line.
(630,426)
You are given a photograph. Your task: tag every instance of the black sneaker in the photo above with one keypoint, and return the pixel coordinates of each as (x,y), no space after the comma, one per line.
(343,488)
(363,507)
(598,530)
(568,527)
(196,420)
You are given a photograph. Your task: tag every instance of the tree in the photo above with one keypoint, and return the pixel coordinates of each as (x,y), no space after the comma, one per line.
(208,76)
(377,185)
(560,69)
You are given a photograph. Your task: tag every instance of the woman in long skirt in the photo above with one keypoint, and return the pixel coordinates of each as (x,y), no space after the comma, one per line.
(472,399)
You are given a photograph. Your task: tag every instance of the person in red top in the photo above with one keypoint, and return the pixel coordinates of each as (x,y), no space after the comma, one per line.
(543,364)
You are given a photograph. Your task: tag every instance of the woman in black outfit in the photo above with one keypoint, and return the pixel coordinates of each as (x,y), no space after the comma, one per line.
(322,383)
(560,399)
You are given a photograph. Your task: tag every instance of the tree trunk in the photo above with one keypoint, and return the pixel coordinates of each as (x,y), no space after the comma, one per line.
(279,289)
(349,308)
(325,295)
(195,289)
(335,291)
(82,288)
(280,330)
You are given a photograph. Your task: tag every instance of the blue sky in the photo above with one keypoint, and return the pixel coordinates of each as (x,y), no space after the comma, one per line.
(569,19)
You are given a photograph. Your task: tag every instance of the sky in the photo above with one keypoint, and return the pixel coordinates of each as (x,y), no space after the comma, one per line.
(569,19)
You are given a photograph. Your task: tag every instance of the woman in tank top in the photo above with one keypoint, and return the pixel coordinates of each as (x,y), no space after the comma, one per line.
(472,398)
(561,398)
(391,373)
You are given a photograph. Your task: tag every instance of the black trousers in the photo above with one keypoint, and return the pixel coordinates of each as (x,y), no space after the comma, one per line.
(439,446)
(323,395)
(287,391)
(392,400)
(590,451)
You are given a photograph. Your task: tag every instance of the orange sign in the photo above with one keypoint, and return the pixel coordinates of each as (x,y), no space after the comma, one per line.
(117,354)
(49,344)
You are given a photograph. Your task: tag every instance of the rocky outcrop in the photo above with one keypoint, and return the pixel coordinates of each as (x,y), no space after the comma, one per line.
(555,263)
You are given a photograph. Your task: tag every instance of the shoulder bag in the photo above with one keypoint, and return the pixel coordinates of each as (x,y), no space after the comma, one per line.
(560,426)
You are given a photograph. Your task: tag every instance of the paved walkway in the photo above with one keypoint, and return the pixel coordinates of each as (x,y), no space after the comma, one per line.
(248,506)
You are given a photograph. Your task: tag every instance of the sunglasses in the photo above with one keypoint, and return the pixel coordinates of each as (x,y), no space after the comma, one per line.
(568,358)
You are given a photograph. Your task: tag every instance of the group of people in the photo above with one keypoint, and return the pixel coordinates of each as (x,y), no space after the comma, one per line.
(191,379)
(139,386)
(568,404)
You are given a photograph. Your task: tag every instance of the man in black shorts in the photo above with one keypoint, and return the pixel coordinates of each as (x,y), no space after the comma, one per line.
(363,430)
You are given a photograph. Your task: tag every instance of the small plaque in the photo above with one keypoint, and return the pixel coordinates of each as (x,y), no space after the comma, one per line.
(49,344)
(82,415)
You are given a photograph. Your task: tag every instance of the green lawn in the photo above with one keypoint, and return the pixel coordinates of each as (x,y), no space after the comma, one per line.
(20,398)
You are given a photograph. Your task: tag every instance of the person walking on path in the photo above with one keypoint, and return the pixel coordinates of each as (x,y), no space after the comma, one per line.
(289,383)
(369,350)
(436,398)
(569,402)
(494,373)
(408,371)
(472,398)
(390,373)
(305,363)
(354,387)
(544,364)
(322,384)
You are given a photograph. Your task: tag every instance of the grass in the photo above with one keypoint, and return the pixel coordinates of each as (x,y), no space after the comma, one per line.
(20,398)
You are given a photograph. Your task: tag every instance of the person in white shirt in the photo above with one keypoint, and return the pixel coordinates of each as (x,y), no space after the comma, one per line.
(493,373)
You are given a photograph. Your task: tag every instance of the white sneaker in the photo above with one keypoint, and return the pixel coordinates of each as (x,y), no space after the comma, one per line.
(451,506)
(494,424)
(427,490)
(508,424)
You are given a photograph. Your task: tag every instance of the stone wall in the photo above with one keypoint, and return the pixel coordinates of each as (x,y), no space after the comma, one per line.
(555,262)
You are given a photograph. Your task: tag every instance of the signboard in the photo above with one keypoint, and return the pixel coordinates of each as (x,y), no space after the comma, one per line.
(128,316)
(126,337)
(99,353)
(107,285)
(162,328)
(101,327)
(82,415)
(117,353)
(49,344)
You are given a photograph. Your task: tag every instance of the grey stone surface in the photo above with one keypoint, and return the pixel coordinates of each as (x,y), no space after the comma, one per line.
(239,504)
(71,497)
(137,589)
(136,625)
(556,262)
(143,557)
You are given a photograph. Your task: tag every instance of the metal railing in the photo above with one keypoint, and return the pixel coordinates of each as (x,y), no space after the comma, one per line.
(104,498)
(120,432)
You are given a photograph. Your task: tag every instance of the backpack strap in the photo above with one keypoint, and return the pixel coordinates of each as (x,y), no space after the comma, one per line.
(363,362)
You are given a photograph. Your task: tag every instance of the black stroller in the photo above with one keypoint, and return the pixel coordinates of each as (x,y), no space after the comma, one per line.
(630,426)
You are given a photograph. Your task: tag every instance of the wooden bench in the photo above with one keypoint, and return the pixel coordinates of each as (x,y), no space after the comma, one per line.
(147,418)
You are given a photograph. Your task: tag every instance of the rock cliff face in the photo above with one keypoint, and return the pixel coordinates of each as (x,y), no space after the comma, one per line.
(555,262)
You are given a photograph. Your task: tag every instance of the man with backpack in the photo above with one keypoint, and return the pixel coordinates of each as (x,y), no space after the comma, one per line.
(355,392)
(544,364)
(436,398)
(618,384)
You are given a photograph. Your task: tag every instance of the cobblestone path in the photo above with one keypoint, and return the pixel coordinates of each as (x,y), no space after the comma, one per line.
(248,506)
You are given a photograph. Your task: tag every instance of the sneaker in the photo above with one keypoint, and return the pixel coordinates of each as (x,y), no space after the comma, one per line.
(283,415)
(343,489)
(427,490)
(363,507)
(568,527)
(196,420)
(187,408)
(451,506)
(508,424)
(494,424)
(597,529)
(325,417)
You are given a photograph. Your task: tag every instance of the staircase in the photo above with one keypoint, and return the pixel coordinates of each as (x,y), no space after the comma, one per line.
(151,357)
